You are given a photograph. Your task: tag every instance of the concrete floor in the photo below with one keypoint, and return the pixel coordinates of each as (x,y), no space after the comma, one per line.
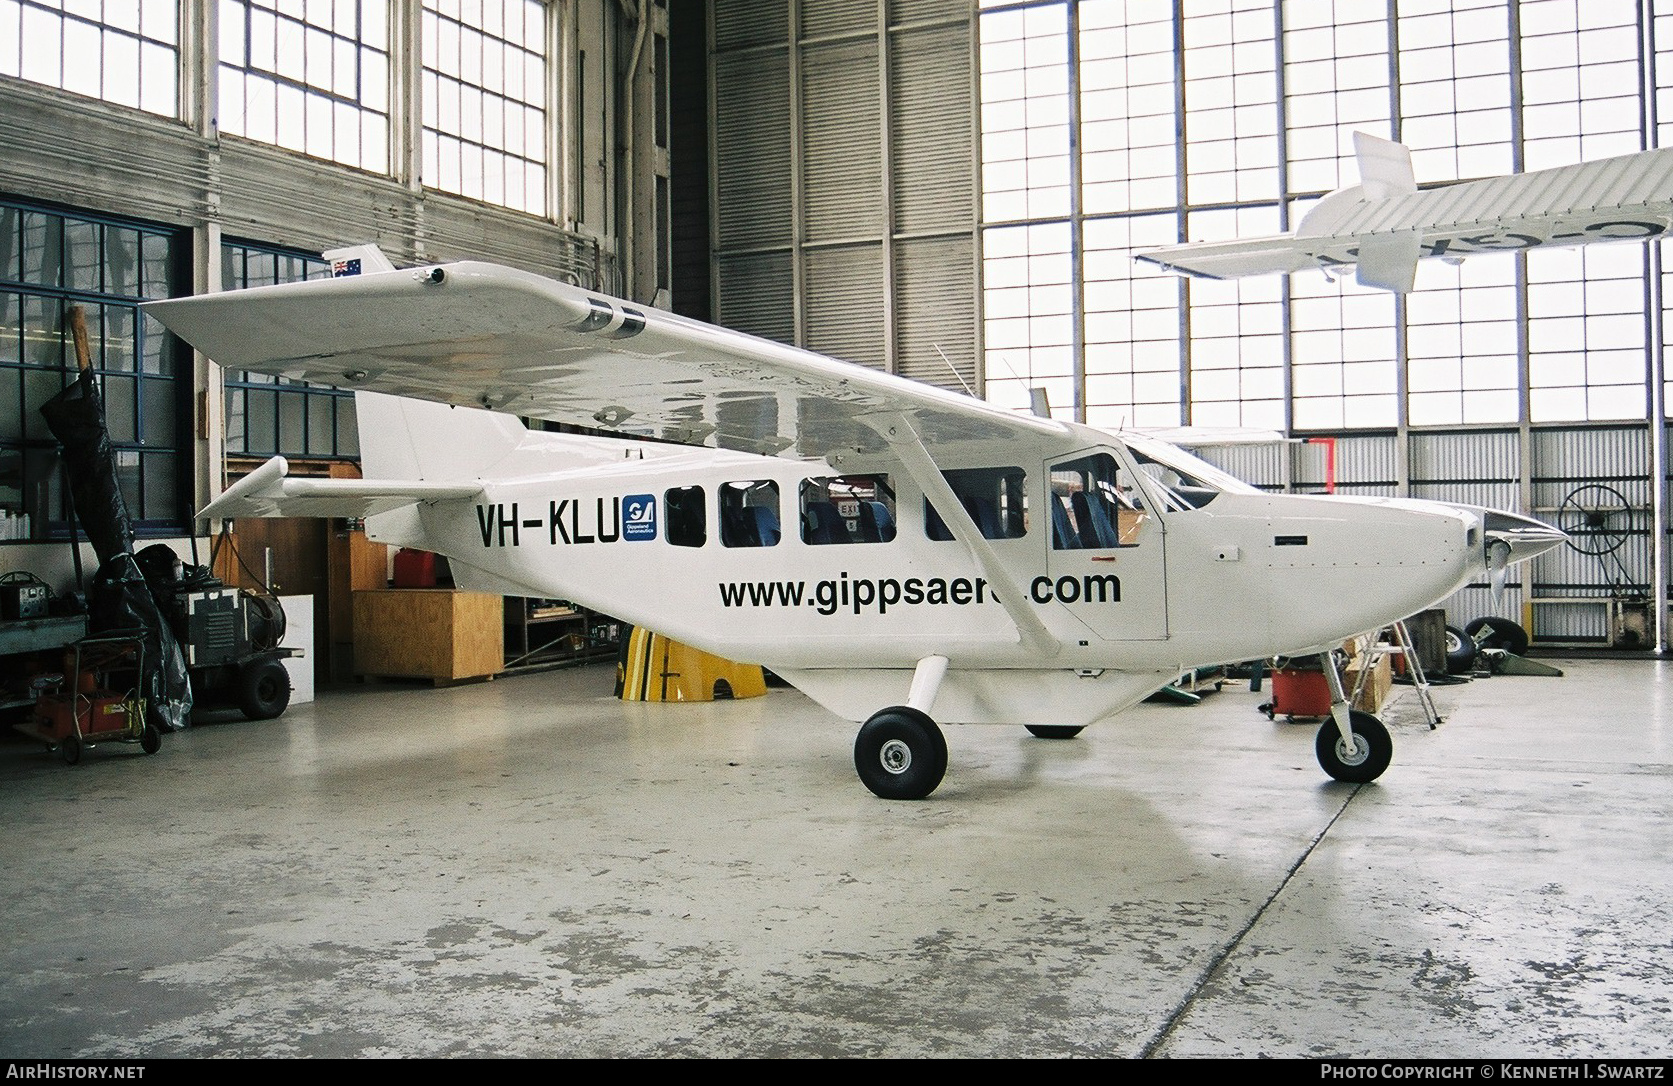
(530,868)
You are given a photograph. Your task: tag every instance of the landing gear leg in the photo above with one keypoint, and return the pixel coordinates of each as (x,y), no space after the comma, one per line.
(1352,746)
(900,753)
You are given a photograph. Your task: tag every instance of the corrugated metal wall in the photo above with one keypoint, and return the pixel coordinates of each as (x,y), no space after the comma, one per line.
(844,198)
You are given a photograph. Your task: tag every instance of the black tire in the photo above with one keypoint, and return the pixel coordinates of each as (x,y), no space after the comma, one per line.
(1052,731)
(1502,633)
(1366,763)
(69,749)
(900,753)
(150,740)
(1460,652)
(263,689)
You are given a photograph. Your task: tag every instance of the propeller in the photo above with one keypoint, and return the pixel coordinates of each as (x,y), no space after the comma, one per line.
(1498,568)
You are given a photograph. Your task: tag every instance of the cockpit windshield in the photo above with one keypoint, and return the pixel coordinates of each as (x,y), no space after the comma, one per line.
(1186,481)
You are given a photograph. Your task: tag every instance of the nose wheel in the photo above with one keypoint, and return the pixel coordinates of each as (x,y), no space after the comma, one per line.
(1365,758)
(900,753)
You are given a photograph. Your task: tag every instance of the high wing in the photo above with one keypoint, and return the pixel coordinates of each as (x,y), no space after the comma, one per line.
(1385,224)
(479,335)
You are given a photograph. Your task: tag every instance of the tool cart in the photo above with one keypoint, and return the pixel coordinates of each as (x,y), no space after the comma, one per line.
(99,699)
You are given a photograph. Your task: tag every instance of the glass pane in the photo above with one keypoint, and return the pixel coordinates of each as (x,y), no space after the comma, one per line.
(118,338)
(11,327)
(11,241)
(262,428)
(43,341)
(161,492)
(321,429)
(43,248)
(156,348)
(348,432)
(127,478)
(121,409)
(158,426)
(236,419)
(83,255)
(122,270)
(292,406)
(11,404)
(154,252)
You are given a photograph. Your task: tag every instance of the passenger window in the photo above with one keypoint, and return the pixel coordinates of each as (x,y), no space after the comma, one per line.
(848,509)
(687,516)
(995,498)
(1091,509)
(749,514)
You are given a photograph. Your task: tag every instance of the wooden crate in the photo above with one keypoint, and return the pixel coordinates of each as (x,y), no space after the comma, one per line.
(428,633)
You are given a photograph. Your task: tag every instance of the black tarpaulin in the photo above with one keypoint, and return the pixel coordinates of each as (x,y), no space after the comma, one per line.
(119,599)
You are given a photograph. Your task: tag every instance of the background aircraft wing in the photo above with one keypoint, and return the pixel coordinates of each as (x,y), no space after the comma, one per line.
(480,335)
(1384,232)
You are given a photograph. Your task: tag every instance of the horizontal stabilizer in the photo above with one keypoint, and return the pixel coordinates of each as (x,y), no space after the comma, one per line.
(269,491)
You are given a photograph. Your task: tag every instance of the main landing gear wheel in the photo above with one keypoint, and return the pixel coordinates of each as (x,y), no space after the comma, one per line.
(151,739)
(1370,754)
(1052,731)
(69,749)
(900,753)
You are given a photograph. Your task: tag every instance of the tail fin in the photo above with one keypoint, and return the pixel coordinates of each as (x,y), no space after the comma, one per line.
(430,442)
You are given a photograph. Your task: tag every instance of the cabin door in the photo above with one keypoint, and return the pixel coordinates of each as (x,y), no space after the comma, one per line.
(1106,561)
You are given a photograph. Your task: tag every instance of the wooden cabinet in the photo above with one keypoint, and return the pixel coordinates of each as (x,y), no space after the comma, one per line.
(428,633)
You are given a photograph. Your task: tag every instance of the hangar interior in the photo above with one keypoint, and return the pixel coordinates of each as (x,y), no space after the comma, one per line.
(949,191)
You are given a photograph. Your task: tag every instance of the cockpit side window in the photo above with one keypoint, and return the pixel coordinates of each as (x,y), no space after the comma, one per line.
(1180,489)
(1092,506)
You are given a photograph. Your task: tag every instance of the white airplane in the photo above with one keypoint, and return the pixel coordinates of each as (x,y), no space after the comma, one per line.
(1385,224)
(892,549)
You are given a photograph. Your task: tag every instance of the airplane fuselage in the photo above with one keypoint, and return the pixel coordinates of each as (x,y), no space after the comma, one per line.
(653,538)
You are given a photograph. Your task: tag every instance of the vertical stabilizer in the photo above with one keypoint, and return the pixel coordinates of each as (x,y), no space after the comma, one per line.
(419,441)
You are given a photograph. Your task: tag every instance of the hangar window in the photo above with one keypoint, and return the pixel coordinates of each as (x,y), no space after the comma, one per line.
(127,53)
(995,498)
(484,101)
(686,516)
(50,262)
(749,514)
(848,509)
(267,416)
(313,78)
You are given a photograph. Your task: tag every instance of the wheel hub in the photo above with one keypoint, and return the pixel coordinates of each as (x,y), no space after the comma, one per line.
(896,756)
(1353,753)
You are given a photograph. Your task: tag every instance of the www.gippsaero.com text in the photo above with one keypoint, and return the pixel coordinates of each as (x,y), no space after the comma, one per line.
(865,595)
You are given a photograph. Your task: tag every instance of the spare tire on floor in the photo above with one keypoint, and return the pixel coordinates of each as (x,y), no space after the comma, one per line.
(1460,651)
(1502,634)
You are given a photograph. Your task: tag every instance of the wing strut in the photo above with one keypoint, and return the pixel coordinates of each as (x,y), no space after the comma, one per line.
(905,440)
